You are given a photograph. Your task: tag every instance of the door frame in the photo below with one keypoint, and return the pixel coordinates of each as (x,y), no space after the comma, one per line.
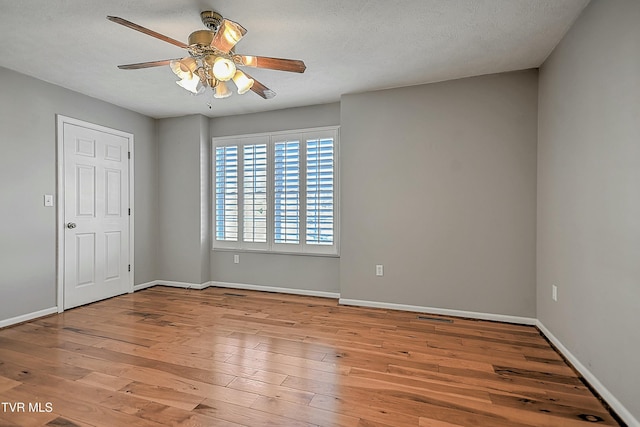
(60,214)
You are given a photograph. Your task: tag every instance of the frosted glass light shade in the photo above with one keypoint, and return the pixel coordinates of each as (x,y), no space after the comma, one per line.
(228,35)
(193,84)
(243,82)
(221,90)
(184,68)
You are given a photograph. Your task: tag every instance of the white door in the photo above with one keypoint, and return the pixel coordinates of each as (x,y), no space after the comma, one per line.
(96,217)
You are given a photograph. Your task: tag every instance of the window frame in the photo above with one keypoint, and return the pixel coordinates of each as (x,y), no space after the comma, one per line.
(271,138)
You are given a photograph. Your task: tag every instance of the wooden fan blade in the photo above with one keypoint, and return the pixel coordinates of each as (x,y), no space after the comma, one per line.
(261,89)
(280,64)
(146,31)
(150,64)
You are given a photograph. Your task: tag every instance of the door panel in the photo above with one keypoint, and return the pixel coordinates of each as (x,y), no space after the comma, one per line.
(86,259)
(86,147)
(86,191)
(96,233)
(112,255)
(113,191)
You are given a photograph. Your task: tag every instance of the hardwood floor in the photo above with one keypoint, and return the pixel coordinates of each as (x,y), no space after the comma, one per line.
(222,357)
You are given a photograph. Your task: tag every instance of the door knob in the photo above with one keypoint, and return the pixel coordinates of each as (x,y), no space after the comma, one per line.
(71,225)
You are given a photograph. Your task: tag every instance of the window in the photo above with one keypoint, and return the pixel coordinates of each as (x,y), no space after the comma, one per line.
(277,192)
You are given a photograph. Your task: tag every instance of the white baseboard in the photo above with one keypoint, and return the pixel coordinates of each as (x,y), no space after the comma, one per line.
(172,284)
(186,285)
(27,317)
(323,294)
(606,395)
(142,286)
(441,311)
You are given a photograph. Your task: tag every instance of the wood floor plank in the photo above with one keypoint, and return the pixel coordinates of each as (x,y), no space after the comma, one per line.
(165,395)
(260,388)
(246,416)
(369,411)
(429,422)
(7,383)
(230,358)
(109,382)
(149,366)
(180,418)
(66,422)
(18,366)
(386,381)
(304,413)
(198,358)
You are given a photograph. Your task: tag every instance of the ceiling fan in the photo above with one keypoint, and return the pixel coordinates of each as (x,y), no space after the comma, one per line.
(212,61)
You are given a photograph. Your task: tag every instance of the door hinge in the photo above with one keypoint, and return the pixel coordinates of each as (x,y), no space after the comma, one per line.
(128,154)
(129,267)
(129,211)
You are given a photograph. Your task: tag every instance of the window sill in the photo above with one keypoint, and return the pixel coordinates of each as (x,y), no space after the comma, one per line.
(258,251)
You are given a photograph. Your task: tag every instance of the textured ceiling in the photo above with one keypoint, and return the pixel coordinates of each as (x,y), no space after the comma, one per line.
(348,46)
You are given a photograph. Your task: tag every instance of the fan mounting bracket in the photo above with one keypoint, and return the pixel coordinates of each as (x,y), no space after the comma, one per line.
(211,19)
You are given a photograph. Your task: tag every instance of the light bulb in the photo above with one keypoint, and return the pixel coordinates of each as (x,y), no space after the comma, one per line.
(223,69)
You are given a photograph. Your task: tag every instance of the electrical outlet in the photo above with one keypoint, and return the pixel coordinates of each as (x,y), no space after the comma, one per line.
(236,259)
(554,293)
(379,270)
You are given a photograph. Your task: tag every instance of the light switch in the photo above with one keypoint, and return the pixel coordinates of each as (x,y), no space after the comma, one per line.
(48,200)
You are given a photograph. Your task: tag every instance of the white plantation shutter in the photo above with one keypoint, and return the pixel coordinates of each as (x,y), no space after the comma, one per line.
(287,192)
(277,192)
(320,191)
(255,193)
(226,193)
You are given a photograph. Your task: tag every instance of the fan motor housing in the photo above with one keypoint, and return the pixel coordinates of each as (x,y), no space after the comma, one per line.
(201,38)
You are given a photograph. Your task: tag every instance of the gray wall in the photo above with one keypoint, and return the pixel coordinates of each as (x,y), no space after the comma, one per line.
(28,109)
(183,180)
(285,271)
(589,195)
(439,186)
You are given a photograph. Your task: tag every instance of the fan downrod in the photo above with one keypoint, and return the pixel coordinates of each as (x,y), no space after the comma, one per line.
(211,19)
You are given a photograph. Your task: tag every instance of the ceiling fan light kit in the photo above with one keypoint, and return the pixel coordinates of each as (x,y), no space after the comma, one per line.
(212,62)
